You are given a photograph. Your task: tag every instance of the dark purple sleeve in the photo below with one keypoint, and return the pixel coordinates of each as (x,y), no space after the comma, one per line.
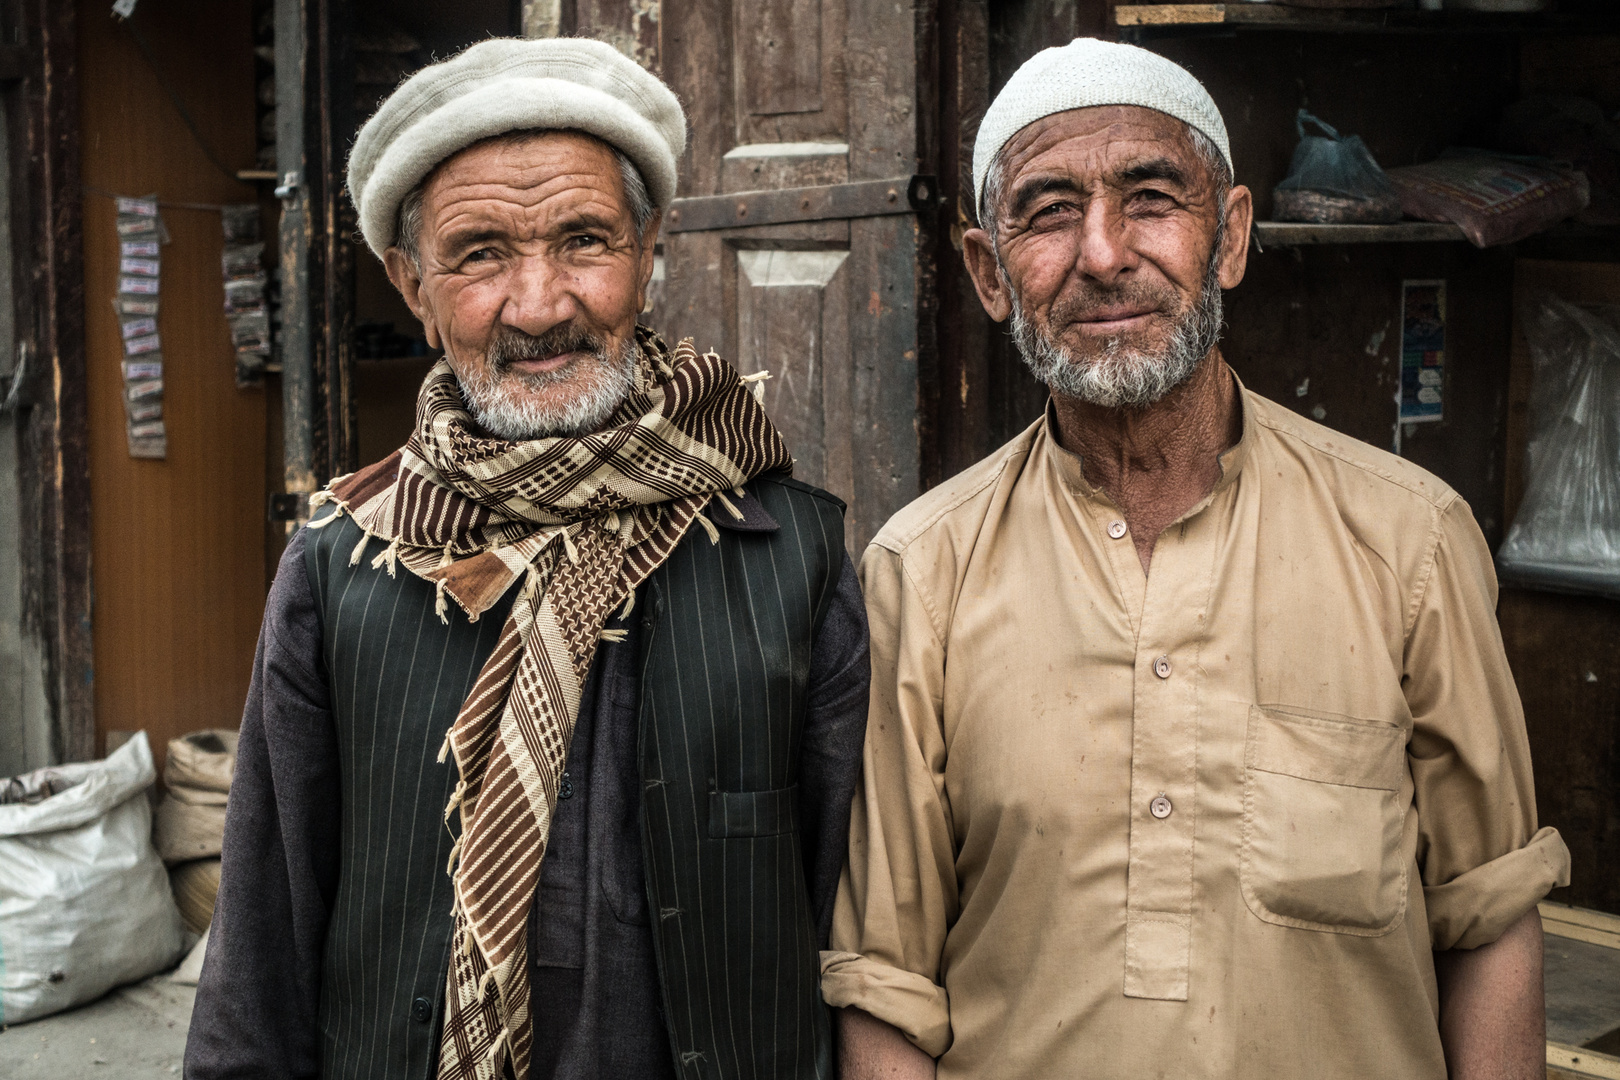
(255,1015)
(834,732)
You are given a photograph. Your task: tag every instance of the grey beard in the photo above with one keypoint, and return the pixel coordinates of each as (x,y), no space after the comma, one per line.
(1124,377)
(491,391)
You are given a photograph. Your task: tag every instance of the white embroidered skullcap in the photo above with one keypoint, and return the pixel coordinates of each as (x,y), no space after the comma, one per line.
(1088,72)
(512,84)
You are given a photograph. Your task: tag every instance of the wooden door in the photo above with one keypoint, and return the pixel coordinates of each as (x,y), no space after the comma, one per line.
(794,245)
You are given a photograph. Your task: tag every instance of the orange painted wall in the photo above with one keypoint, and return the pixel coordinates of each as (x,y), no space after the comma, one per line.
(178,545)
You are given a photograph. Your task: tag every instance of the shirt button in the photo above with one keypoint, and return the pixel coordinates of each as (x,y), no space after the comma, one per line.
(1116,529)
(1161,667)
(565,789)
(1160,806)
(421,1010)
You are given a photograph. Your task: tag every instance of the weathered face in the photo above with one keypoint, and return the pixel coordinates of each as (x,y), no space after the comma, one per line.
(531,277)
(1105,251)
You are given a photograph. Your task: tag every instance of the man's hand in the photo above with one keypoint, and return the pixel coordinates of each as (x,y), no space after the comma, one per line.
(1493,1021)
(869,1049)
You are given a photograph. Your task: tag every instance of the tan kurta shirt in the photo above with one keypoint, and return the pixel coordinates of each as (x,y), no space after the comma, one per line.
(1207,822)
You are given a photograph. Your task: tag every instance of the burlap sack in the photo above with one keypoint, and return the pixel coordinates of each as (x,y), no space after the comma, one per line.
(191,818)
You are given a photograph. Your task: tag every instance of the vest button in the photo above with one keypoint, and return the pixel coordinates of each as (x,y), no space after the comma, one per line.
(421,1010)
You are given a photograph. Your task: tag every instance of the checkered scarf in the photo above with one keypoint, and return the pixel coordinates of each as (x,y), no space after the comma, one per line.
(582,521)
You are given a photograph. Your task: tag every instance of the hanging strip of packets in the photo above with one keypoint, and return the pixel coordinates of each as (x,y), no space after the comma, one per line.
(140,239)
(245,307)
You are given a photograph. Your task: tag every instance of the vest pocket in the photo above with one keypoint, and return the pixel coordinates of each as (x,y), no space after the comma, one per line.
(753,813)
(1322,822)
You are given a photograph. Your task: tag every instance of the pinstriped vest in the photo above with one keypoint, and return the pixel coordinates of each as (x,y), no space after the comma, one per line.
(725,659)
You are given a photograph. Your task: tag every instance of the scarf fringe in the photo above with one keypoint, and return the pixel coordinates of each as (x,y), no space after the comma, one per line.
(441,606)
(756,384)
(615,637)
(729,505)
(455,853)
(708,527)
(390,555)
(359,549)
(329,518)
(455,799)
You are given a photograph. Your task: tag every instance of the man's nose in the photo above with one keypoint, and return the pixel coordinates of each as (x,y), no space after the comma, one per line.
(1104,251)
(538,297)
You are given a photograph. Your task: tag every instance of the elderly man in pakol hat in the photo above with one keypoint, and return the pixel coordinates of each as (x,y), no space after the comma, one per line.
(1193,750)
(584,616)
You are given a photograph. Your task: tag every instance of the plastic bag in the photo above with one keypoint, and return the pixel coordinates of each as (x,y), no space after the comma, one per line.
(1333,181)
(84,900)
(1493,198)
(1566,535)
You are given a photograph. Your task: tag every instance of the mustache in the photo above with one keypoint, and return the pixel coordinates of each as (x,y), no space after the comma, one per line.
(511,346)
(1091,300)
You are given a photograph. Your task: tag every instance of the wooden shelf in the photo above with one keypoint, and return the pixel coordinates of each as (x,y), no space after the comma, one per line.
(1297,234)
(1272,16)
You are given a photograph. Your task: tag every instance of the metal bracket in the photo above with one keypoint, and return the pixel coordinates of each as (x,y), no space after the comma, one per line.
(828,202)
(289,506)
(288,186)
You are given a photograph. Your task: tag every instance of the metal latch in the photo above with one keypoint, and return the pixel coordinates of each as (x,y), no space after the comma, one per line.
(289,505)
(288,186)
(780,206)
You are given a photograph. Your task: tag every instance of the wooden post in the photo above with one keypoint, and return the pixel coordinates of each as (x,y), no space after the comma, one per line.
(55,480)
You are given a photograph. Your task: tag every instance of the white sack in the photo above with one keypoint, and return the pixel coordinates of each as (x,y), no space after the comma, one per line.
(84,899)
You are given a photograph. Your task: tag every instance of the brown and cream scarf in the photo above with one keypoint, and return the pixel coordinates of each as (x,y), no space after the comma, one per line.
(582,521)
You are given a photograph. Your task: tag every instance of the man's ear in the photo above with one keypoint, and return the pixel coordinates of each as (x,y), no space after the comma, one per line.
(980,256)
(1235,247)
(407,278)
(648,258)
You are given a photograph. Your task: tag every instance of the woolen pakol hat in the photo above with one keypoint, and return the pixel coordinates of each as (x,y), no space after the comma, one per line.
(1086,73)
(512,84)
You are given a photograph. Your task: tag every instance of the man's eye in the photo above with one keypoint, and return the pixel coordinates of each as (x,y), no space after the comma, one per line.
(1150,197)
(582,241)
(1054,212)
(481,255)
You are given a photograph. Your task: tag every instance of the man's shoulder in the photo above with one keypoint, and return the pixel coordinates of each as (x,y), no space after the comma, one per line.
(930,518)
(789,488)
(1377,472)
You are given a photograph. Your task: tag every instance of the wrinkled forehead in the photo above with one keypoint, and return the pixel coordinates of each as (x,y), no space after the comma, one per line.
(528,159)
(1102,144)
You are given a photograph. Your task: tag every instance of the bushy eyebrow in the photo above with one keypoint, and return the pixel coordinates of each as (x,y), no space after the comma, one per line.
(1028,192)
(475,236)
(1161,168)
(1154,169)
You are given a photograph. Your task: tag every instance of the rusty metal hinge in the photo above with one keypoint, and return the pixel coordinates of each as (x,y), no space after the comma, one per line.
(828,202)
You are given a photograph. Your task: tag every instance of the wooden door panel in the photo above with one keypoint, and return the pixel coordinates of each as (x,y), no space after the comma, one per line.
(779,44)
(789,304)
(794,94)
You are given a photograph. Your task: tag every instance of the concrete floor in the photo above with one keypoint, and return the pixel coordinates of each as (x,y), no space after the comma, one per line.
(135,1033)
(139,1032)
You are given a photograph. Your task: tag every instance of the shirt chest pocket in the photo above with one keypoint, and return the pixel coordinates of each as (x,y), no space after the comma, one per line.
(1322,822)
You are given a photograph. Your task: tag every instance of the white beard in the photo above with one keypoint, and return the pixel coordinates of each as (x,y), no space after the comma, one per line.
(1124,376)
(600,384)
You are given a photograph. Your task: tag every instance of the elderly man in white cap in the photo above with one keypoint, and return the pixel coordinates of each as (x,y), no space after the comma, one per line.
(1193,750)
(584,617)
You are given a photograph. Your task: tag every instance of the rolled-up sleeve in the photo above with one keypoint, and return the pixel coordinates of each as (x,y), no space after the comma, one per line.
(897,897)
(1483,861)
